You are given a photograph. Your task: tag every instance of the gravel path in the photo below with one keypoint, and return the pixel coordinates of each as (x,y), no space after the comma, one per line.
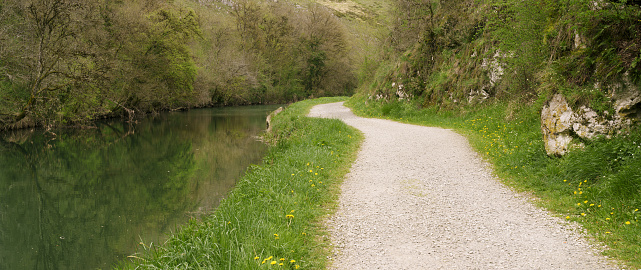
(421,198)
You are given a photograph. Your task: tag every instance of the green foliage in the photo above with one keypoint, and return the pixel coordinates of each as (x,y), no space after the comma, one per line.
(315,65)
(167,42)
(447,51)
(273,214)
(82,60)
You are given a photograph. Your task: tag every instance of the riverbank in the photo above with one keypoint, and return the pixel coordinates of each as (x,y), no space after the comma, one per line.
(272,217)
(597,186)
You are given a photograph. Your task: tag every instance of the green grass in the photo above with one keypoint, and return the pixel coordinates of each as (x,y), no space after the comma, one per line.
(274,215)
(598,186)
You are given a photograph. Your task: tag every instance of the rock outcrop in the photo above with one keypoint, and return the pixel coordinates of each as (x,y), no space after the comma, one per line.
(556,124)
(627,100)
(560,124)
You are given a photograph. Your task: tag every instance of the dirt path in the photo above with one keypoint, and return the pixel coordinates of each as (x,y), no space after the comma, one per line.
(420,198)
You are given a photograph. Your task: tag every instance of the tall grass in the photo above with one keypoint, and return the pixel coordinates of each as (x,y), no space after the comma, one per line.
(598,186)
(273,217)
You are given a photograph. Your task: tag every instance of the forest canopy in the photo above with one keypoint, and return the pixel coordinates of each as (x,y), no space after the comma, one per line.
(69,62)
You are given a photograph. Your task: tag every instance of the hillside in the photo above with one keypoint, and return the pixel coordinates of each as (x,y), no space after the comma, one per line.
(578,61)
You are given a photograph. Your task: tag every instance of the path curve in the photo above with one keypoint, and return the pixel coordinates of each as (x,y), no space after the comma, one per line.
(421,198)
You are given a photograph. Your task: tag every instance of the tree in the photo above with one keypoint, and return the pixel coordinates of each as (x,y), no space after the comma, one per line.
(52,52)
(326,66)
(53,30)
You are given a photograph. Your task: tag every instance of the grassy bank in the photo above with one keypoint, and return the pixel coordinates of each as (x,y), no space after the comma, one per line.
(272,219)
(599,186)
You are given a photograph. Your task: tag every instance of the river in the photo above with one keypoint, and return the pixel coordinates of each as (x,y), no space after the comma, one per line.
(86,199)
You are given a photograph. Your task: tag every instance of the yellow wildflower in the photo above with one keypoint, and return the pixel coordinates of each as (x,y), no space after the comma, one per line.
(282,259)
(289,216)
(292,261)
(274,262)
(256,258)
(627,223)
(583,214)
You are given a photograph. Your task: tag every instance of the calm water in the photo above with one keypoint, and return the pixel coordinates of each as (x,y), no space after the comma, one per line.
(85,199)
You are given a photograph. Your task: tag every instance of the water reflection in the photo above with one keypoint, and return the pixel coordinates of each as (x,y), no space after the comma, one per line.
(84,199)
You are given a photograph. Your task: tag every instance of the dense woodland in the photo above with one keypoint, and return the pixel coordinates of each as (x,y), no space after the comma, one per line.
(69,62)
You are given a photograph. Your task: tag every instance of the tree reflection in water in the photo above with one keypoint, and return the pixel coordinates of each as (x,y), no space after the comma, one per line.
(84,199)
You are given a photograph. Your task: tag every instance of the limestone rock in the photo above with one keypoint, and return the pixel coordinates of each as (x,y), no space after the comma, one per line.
(477,96)
(557,120)
(627,100)
(588,124)
(559,123)
(495,67)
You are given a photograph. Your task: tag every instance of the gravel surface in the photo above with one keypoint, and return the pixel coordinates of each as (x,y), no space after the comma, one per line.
(421,198)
